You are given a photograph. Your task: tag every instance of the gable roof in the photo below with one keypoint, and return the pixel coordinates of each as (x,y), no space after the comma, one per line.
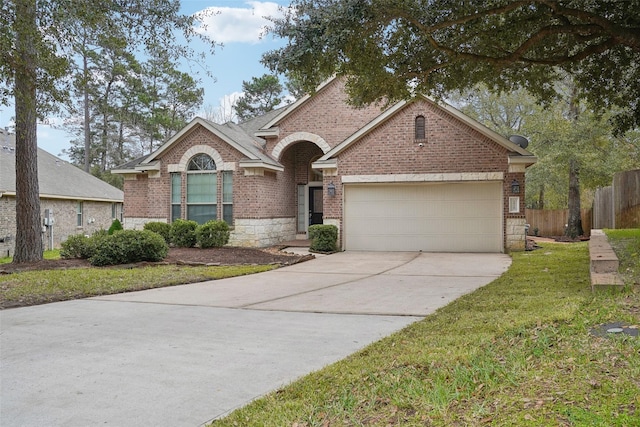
(286,111)
(57,178)
(394,109)
(238,136)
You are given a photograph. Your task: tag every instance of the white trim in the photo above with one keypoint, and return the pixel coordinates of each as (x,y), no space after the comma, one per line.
(59,197)
(252,164)
(296,137)
(514,204)
(522,160)
(425,177)
(126,171)
(200,149)
(151,166)
(268,133)
(325,164)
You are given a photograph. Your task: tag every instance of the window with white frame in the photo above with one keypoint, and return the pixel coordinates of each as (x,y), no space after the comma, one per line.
(116,211)
(176,196)
(79,209)
(514,204)
(202,189)
(227,197)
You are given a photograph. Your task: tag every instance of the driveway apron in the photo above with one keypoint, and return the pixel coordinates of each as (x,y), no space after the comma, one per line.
(184,355)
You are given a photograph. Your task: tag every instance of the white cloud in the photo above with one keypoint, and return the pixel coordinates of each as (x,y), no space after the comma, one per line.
(237,24)
(224,111)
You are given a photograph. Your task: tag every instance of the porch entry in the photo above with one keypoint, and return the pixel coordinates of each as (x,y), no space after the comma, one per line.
(315,205)
(310,206)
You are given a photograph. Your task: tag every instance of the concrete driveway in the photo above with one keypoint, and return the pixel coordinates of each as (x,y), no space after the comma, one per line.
(184,355)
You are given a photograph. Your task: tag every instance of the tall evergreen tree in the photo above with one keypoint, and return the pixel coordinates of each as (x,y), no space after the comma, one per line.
(260,95)
(37,39)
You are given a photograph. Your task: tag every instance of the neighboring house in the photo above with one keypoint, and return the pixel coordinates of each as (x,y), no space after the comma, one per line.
(78,202)
(418,175)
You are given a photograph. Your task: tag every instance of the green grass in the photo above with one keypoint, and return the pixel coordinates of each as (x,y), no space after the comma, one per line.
(626,245)
(38,287)
(516,352)
(52,254)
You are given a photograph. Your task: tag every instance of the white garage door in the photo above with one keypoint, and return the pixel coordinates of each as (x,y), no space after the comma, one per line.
(443,217)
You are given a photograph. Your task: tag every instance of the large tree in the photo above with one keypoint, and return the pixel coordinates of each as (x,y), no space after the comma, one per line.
(37,39)
(260,95)
(389,49)
(576,148)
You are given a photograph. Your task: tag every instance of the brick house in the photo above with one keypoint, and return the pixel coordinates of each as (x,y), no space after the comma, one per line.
(418,175)
(78,202)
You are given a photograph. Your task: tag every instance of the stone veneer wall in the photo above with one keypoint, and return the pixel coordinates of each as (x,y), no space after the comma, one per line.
(515,237)
(262,232)
(138,223)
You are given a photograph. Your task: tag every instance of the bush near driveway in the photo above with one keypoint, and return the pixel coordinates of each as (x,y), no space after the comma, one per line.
(212,234)
(129,246)
(183,233)
(162,228)
(323,237)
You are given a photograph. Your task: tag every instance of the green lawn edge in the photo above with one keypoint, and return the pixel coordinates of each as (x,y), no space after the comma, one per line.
(519,351)
(45,286)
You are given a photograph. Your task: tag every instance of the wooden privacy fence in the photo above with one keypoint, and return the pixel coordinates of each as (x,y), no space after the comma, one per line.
(618,206)
(551,222)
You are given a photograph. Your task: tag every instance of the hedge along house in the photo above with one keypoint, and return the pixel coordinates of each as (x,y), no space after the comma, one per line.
(71,200)
(417,176)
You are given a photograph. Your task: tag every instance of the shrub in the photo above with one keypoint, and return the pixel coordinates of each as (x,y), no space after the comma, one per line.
(324,238)
(129,246)
(76,246)
(183,233)
(81,246)
(115,226)
(162,228)
(212,234)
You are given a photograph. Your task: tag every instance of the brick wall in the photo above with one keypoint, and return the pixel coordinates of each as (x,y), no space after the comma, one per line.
(96,216)
(326,115)
(450,147)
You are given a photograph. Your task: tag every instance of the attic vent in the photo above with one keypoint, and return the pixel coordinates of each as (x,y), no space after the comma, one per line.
(420,128)
(519,140)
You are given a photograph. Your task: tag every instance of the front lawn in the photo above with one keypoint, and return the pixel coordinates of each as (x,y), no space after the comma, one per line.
(519,351)
(43,286)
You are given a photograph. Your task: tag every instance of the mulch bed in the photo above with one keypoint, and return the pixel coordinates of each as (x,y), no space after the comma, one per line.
(181,256)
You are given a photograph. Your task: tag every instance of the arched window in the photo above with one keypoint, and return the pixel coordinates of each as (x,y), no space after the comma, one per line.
(202,189)
(420,129)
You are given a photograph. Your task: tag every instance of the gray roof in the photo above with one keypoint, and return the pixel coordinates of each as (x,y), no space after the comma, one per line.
(56,178)
(239,136)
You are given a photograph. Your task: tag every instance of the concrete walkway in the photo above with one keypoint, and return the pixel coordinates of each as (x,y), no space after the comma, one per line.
(184,355)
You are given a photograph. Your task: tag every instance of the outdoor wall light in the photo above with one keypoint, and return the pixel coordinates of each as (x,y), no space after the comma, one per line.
(331,189)
(515,186)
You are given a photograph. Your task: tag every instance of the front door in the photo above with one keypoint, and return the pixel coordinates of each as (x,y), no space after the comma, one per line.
(315,205)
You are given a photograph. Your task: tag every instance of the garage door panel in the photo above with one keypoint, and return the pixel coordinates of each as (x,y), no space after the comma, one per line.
(461,217)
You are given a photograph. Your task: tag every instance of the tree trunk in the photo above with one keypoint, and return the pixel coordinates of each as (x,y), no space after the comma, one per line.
(574,223)
(541,197)
(29,234)
(87,116)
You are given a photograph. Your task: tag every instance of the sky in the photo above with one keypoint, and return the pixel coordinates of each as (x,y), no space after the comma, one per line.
(238,25)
